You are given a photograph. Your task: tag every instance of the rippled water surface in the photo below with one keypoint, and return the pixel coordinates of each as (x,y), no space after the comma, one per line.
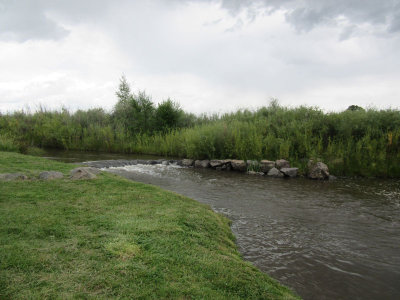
(326,240)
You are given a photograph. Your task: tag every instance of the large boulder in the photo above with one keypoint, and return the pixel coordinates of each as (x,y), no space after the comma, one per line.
(317,170)
(266,165)
(202,163)
(13,176)
(274,172)
(49,175)
(187,162)
(282,163)
(84,173)
(238,165)
(290,172)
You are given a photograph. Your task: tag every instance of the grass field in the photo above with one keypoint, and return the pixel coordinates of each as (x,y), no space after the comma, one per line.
(113,238)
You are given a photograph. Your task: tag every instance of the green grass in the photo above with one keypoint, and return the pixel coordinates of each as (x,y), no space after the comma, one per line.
(113,238)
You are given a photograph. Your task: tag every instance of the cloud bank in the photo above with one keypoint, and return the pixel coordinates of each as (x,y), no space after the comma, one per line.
(211,56)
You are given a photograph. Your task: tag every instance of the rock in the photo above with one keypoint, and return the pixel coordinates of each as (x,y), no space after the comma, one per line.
(255,173)
(202,163)
(282,163)
(238,165)
(290,172)
(217,163)
(13,176)
(266,165)
(187,162)
(331,177)
(84,173)
(205,163)
(317,170)
(49,175)
(274,172)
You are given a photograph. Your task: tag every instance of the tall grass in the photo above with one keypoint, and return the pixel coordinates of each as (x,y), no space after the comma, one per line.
(7,144)
(352,142)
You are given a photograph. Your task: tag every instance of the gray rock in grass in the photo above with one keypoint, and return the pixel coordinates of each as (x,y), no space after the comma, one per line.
(84,173)
(13,176)
(49,175)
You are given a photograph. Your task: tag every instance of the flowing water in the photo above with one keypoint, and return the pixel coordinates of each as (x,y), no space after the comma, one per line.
(326,240)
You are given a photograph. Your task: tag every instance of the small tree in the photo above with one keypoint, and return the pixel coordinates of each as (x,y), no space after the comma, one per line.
(124,90)
(124,109)
(168,115)
(144,113)
(355,108)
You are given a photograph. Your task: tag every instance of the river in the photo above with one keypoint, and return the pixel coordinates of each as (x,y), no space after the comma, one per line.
(325,239)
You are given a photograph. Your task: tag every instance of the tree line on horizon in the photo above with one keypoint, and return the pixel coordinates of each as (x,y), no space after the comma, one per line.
(354,142)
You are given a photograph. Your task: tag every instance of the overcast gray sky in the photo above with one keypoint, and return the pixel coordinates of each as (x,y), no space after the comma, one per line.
(210,56)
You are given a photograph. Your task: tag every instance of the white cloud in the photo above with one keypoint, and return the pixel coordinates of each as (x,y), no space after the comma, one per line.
(202,55)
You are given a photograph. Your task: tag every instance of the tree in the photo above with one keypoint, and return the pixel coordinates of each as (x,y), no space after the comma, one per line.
(355,108)
(124,90)
(124,109)
(133,112)
(144,113)
(168,115)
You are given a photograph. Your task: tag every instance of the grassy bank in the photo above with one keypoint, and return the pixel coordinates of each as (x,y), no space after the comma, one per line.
(113,238)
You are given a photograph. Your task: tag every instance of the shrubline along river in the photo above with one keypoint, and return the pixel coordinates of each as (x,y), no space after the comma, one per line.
(326,240)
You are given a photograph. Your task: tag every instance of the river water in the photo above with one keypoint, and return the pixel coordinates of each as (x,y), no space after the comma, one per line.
(326,240)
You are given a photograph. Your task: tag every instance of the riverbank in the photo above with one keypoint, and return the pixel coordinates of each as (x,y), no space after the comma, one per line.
(113,238)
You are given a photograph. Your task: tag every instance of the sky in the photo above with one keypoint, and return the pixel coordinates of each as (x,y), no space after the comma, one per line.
(210,56)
